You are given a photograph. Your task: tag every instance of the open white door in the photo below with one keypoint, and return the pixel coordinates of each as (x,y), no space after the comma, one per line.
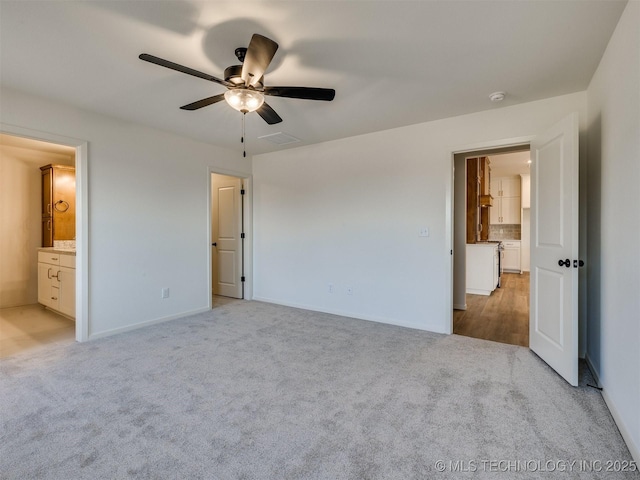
(226,230)
(553,322)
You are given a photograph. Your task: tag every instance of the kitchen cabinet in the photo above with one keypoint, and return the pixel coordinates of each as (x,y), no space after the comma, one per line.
(506,201)
(58,203)
(57,282)
(482,268)
(511,256)
(505,186)
(505,210)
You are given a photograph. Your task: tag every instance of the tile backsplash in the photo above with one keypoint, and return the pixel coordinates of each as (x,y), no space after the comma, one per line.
(66,244)
(505,232)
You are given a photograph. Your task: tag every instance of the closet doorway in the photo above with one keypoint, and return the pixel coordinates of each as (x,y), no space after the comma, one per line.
(227,236)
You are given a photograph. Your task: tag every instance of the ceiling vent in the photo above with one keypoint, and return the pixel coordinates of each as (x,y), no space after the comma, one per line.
(280,138)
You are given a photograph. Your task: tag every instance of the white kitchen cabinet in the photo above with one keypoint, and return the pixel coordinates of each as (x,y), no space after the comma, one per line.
(482,268)
(506,201)
(505,187)
(57,282)
(505,210)
(511,256)
(510,209)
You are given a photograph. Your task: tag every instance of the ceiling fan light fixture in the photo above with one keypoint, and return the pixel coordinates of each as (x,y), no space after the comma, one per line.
(243,99)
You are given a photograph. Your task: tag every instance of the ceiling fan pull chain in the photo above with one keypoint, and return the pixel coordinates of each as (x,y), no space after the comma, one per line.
(244,146)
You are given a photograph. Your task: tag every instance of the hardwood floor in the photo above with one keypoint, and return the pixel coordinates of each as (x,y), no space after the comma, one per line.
(501,317)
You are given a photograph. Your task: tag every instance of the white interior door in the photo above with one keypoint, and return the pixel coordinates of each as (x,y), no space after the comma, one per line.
(226,230)
(553,325)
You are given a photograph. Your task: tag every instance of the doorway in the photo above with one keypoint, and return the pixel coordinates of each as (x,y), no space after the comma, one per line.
(227,236)
(35,312)
(554,326)
(491,265)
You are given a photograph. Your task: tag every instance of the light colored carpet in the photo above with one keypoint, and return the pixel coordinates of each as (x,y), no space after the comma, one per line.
(258,391)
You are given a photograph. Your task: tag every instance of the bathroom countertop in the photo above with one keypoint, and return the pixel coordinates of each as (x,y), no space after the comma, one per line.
(61,251)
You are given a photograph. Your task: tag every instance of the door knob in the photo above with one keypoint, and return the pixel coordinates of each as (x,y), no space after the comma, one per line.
(565,263)
(214,244)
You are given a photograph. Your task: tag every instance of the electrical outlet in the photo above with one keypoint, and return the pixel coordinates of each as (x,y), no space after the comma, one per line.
(165,292)
(349,291)
(330,288)
(424,232)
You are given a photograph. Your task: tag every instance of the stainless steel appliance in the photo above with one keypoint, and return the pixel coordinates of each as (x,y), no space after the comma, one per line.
(500,250)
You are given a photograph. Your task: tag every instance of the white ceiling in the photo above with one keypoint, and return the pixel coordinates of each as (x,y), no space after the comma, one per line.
(35,152)
(392,63)
(29,144)
(514,163)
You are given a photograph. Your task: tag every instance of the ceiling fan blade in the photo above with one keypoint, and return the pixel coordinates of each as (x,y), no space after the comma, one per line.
(205,102)
(268,114)
(181,68)
(257,59)
(306,93)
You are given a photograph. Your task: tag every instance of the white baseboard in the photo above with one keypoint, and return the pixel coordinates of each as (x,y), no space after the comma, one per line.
(626,436)
(473,291)
(459,307)
(633,448)
(128,328)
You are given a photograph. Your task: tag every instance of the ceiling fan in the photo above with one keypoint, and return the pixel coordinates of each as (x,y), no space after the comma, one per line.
(245,82)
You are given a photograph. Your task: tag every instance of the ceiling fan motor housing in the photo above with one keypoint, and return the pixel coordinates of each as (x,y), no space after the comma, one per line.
(233,74)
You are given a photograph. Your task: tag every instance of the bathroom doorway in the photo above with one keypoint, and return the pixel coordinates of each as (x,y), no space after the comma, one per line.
(36,311)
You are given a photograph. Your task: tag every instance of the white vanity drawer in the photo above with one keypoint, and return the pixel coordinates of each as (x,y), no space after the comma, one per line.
(68,261)
(50,258)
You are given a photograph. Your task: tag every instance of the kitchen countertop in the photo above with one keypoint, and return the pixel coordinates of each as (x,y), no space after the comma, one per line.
(61,251)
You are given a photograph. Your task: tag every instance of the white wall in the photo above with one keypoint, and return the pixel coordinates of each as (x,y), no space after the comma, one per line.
(148,211)
(613,225)
(20,225)
(348,212)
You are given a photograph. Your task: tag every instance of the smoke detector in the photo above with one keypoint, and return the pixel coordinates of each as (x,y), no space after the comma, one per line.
(497,96)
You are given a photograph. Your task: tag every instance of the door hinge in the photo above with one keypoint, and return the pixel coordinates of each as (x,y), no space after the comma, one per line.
(242,191)
(242,279)
(242,235)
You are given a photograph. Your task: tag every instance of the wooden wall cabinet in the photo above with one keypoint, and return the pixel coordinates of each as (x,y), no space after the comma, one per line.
(479,199)
(58,203)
